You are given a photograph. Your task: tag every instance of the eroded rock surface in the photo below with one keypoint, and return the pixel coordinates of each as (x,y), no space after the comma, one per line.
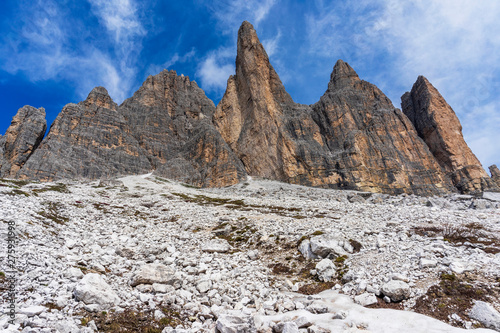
(87,140)
(170,117)
(495,174)
(164,127)
(438,125)
(352,138)
(21,139)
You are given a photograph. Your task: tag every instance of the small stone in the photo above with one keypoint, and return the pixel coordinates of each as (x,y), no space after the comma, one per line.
(366,299)
(33,310)
(427,263)
(302,322)
(216,245)
(457,267)
(286,327)
(154,273)
(203,286)
(92,289)
(235,324)
(326,270)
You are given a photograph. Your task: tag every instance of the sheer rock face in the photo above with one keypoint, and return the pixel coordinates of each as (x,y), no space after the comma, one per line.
(438,125)
(375,146)
(164,127)
(352,138)
(170,117)
(495,174)
(21,139)
(87,140)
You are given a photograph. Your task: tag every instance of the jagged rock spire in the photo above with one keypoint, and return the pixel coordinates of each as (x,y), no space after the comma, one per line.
(438,125)
(21,139)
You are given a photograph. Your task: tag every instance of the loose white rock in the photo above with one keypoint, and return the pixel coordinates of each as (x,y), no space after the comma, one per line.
(92,289)
(396,290)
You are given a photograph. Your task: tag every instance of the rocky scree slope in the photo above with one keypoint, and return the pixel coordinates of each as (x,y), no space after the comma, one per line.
(144,253)
(352,138)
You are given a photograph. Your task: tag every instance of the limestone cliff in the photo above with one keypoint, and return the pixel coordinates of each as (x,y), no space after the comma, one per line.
(352,138)
(170,117)
(164,127)
(438,125)
(87,140)
(21,139)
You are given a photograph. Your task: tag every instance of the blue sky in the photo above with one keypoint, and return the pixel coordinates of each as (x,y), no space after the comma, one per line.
(54,52)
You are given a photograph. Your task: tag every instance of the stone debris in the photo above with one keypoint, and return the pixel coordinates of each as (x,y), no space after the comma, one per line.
(144,245)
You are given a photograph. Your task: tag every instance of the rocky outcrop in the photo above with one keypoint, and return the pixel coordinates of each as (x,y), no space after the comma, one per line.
(438,125)
(166,127)
(352,138)
(170,117)
(375,147)
(87,140)
(23,136)
(495,174)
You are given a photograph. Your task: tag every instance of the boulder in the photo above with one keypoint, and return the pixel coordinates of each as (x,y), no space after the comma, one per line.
(93,289)
(154,273)
(228,323)
(326,270)
(486,315)
(328,246)
(396,290)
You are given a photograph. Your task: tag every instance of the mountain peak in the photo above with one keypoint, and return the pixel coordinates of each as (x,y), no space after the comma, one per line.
(343,74)
(439,127)
(99,96)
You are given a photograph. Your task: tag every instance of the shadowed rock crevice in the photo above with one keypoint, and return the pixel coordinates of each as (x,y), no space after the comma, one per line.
(438,125)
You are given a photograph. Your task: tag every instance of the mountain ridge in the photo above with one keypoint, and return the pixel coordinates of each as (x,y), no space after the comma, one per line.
(352,138)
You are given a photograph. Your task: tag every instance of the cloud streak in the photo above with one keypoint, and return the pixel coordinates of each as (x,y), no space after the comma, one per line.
(49,47)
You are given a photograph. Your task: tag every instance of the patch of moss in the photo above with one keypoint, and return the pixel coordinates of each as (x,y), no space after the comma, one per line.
(52,213)
(17,192)
(132,321)
(15,182)
(452,295)
(59,187)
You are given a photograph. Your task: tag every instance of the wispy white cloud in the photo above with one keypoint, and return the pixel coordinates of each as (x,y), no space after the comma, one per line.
(120,17)
(215,69)
(175,59)
(230,14)
(48,47)
(271,44)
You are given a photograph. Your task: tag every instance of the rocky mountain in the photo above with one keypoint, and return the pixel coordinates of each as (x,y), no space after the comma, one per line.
(438,125)
(164,127)
(21,139)
(170,117)
(352,138)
